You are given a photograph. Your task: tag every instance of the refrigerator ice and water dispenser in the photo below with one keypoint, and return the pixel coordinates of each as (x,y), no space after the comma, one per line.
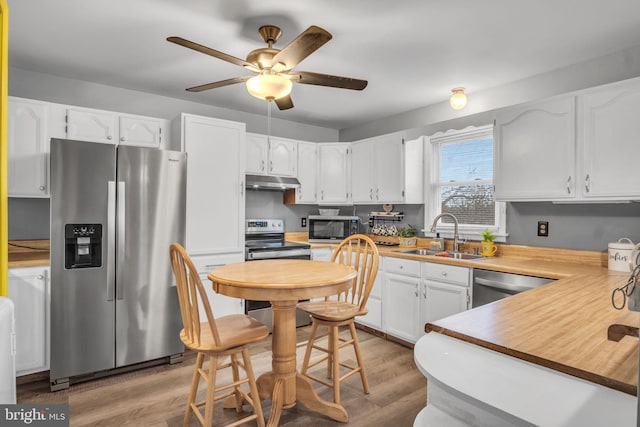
(83,245)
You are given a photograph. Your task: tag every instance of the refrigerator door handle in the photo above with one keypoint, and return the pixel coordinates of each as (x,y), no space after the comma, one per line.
(111,222)
(120,254)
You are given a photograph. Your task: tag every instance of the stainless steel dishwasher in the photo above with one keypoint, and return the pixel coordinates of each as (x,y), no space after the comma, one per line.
(489,286)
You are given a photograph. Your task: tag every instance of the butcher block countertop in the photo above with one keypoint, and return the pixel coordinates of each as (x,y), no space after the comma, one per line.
(562,325)
(28,253)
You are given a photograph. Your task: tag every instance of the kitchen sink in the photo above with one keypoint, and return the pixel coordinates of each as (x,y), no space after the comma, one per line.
(453,255)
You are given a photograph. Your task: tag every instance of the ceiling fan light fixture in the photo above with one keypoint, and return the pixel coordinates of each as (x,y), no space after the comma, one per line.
(269,86)
(458,98)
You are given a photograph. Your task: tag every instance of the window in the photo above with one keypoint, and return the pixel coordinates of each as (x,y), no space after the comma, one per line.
(461,183)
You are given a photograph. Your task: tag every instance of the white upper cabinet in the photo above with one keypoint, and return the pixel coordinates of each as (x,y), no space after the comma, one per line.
(27,148)
(215,183)
(271,155)
(379,169)
(92,125)
(333,173)
(611,142)
(535,151)
(107,127)
(142,131)
(307,172)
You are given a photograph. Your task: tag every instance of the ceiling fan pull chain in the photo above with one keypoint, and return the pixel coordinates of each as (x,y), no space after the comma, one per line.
(269,122)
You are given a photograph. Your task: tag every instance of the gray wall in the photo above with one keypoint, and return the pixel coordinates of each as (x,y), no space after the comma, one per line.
(268,204)
(28,219)
(47,87)
(580,226)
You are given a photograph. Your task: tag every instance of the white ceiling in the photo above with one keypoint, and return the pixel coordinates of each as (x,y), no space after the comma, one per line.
(412,52)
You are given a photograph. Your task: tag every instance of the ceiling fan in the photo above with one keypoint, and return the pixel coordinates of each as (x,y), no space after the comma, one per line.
(273,67)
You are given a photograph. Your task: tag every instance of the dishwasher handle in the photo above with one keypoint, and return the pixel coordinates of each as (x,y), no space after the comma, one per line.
(502,285)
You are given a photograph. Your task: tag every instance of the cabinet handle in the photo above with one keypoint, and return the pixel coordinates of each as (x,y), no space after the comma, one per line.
(371,193)
(321,194)
(377,194)
(42,188)
(271,166)
(417,294)
(569,185)
(424,291)
(109,137)
(261,165)
(241,188)
(122,139)
(587,183)
(444,274)
(40,277)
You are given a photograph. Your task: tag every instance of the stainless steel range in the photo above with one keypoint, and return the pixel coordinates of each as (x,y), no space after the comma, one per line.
(264,239)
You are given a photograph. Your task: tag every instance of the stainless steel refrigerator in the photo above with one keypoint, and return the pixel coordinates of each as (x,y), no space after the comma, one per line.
(115,210)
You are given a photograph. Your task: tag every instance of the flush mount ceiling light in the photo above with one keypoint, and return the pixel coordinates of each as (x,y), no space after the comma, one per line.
(269,86)
(458,99)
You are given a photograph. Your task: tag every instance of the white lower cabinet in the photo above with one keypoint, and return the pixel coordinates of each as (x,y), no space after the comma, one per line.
(418,292)
(401,298)
(373,318)
(29,289)
(321,254)
(221,305)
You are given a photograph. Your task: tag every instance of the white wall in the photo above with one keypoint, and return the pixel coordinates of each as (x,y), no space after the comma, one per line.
(482,105)
(47,87)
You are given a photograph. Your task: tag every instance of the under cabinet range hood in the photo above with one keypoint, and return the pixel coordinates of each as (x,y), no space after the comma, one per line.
(267,182)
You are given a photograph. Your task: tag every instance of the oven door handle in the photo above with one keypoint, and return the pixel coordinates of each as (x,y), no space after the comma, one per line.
(277,254)
(501,285)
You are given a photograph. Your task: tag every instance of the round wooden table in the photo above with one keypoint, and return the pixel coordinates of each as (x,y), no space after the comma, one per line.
(284,282)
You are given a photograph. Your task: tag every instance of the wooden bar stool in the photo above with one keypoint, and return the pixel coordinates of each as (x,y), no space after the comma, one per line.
(361,253)
(216,338)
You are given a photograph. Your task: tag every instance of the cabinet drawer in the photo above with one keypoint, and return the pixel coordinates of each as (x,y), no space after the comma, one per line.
(205,263)
(402,266)
(446,273)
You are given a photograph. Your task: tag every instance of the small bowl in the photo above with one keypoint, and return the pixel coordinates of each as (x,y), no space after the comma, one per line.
(329,212)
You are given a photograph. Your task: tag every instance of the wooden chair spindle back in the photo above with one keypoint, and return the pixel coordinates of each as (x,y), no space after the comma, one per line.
(361,253)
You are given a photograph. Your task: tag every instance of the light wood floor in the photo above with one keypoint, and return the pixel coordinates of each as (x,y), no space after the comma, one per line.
(156,396)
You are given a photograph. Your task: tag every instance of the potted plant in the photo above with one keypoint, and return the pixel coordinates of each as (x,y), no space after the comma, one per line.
(407,236)
(487,247)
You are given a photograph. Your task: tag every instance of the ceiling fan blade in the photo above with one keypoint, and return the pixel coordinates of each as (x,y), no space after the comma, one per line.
(221,83)
(310,78)
(284,103)
(212,52)
(299,48)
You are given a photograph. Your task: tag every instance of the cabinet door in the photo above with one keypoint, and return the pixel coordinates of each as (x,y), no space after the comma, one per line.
(257,153)
(283,157)
(442,299)
(333,172)
(611,142)
(535,151)
(373,318)
(29,291)
(362,172)
(401,306)
(27,148)
(92,125)
(215,185)
(307,172)
(388,166)
(142,131)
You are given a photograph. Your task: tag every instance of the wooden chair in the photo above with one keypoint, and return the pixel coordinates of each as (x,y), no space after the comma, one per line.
(361,253)
(216,338)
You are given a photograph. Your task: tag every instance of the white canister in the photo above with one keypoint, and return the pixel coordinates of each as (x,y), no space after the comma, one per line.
(620,254)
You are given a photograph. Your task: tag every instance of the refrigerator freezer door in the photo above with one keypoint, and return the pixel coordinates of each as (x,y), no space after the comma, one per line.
(82,315)
(151,202)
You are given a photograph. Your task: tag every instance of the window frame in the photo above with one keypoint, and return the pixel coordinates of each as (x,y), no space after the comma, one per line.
(432,187)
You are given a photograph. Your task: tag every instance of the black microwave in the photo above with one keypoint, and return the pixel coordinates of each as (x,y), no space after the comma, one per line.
(332,228)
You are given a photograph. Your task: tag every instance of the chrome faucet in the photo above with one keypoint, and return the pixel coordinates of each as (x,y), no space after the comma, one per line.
(456,237)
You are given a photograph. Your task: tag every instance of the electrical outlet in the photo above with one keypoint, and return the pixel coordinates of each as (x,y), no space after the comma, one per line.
(303,222)
(543,228)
